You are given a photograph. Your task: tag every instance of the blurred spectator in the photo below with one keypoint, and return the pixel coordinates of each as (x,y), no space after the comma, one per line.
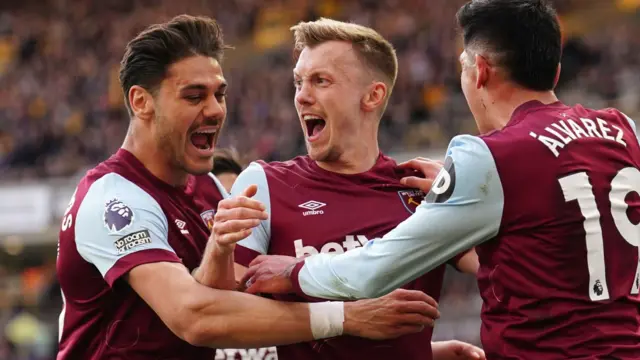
(61,104)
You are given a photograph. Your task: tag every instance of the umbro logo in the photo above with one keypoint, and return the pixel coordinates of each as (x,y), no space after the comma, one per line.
(181,225)
(312,206)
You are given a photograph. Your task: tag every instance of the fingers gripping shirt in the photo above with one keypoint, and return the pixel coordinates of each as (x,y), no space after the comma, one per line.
(116,219)
(462,210)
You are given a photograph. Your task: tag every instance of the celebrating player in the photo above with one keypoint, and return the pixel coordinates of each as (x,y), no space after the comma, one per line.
(136,228)
(344,191)
(548,194)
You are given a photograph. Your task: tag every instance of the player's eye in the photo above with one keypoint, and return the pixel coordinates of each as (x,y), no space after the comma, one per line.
(297,83)
(322,81)
(221,96)
(194,99)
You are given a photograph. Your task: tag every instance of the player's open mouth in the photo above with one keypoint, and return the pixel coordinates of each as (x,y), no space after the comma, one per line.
(203,139)
(315,125)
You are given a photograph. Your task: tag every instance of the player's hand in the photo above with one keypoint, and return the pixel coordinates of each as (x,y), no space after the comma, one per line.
(399,313)
(269,274)
(427,167)
(235,219)
(456,350)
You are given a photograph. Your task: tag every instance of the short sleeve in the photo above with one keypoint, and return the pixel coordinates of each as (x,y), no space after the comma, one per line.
(120,226)
(632,124)
(258,242)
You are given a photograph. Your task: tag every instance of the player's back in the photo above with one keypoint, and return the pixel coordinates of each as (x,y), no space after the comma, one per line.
(560,280)
(316,211)
(121,216)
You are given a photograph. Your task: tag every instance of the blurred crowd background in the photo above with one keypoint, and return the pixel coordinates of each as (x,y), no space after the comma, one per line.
(61,111)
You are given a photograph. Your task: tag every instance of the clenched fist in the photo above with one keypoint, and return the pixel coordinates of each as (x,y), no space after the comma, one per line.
(235,219)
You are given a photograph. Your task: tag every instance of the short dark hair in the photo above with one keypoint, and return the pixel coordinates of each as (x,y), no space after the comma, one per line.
(226,161)
(524,36)
(149,55)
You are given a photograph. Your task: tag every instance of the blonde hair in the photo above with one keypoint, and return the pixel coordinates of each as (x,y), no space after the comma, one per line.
(374,50)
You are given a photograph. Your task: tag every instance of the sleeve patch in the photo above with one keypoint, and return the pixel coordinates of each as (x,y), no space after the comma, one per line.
(132,240)
(444,183)
(117,216)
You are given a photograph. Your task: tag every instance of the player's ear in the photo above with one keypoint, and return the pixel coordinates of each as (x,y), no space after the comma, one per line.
(142,103)
(482,71)
(374,98)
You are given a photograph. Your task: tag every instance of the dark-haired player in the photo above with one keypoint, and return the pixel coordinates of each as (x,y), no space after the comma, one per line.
(548,195)
(134,249)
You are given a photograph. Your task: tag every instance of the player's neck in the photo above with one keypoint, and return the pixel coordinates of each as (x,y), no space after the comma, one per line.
(355,160)
(153,159)
(503,110)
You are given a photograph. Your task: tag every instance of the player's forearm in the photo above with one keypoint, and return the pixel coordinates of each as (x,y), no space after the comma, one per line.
(220,318)
(216,269)
(418,245)
(241,320)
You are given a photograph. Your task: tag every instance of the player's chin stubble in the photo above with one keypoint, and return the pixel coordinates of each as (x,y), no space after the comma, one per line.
(173,145)
(330,154)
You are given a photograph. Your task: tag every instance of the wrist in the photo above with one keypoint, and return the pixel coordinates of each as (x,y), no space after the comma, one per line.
(327,319)
(221,251)
(349,325)
(437,346)
(442,350)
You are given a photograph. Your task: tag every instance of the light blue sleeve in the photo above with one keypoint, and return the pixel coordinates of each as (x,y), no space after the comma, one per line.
(118,218)
(633,125)
(254,175)
(462,210)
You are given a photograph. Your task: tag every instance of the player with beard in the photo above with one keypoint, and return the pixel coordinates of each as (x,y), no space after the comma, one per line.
(548,194)
(345,191)
(136,229)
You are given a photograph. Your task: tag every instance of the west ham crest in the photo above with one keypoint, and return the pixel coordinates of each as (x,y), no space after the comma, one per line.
(411,199)
(207,217)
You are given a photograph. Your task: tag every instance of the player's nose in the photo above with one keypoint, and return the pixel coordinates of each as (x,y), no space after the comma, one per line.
(304,95)
(214,108)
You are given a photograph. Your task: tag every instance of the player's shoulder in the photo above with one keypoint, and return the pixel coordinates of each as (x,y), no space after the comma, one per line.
(283,170)
(116,198)
(114,184)
(470,155)
(469,172)
(296,164)
(615,115)
(469,146)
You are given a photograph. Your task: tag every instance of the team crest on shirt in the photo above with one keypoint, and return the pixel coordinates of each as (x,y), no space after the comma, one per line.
(117,216)
(411,199)
(207,217)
